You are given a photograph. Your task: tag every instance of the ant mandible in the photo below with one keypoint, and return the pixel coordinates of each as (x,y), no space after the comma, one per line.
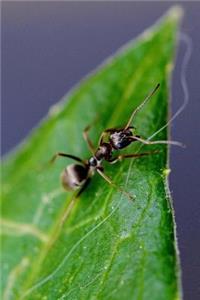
(77,176)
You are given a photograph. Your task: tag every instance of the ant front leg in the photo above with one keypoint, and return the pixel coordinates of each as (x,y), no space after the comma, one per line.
(113,160)
(106,178)
(61,154)
(148,142)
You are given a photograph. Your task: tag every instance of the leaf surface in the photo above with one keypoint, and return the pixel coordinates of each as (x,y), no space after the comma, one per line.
(108,247)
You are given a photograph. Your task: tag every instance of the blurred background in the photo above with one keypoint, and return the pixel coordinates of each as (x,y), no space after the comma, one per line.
(47,47)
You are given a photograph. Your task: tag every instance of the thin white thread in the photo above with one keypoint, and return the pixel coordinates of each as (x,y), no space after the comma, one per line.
(188,42)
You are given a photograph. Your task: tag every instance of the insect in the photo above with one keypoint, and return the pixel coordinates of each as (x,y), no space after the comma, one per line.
(78,175)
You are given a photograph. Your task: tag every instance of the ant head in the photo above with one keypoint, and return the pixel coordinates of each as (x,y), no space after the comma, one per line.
(121,138)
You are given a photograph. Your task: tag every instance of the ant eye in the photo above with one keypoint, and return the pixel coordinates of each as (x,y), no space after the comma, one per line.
(132,129)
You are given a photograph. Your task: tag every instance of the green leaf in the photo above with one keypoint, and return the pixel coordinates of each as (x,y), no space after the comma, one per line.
(108,247)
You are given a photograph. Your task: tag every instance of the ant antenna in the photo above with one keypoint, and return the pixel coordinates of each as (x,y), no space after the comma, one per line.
(141,105)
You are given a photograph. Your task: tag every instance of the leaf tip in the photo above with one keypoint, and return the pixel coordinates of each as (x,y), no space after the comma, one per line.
(176,13)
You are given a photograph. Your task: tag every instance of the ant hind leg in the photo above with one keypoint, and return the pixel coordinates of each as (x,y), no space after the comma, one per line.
(86,136)
(73,201)
(88,140)
(61,154)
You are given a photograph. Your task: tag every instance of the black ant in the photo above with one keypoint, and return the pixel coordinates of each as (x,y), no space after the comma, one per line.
(77,176)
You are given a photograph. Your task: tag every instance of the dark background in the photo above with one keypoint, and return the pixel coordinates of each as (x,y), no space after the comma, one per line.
(47,47)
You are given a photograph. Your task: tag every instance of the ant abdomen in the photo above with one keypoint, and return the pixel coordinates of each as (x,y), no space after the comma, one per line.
(74,176)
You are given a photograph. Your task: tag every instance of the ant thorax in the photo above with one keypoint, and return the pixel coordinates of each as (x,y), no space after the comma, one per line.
(103,152)
(121,139)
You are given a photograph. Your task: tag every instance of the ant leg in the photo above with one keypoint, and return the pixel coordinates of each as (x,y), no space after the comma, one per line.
(147,142)
(87,139)
(82,189)
(102,136)
(86,136)
(121,157)
(104,133)
(73,201)
(60,154)
(68,210)
(106,178)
